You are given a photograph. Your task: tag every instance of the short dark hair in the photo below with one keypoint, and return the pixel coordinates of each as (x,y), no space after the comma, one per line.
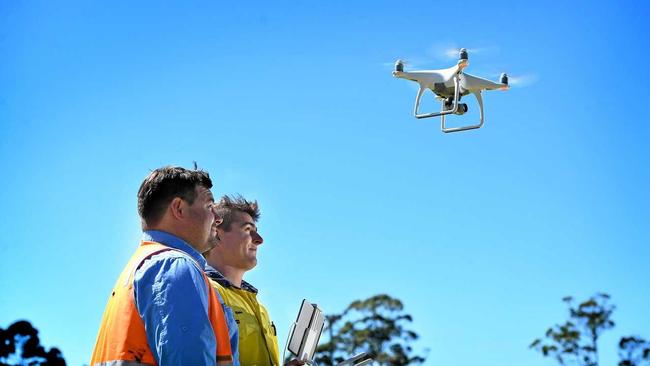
(164,184)
(228,206)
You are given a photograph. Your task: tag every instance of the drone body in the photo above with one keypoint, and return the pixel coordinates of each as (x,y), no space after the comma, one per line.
(450,85)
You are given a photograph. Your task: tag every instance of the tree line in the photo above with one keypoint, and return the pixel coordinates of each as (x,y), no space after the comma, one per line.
(379,326)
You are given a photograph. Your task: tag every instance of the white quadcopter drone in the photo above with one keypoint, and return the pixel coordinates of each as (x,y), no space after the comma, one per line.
(449,86)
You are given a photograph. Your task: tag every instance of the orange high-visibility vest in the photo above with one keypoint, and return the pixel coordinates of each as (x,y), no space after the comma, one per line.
(122,340)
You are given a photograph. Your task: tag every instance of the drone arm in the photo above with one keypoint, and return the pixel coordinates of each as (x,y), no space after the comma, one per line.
(479,98)
(443,112)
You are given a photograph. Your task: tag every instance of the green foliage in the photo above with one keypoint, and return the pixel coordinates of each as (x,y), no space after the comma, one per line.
(376,326)
(575,342)
(19,345)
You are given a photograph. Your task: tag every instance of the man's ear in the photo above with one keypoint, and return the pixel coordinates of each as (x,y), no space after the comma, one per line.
(177,208)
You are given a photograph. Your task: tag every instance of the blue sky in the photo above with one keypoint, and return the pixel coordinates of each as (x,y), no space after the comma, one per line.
(480,234)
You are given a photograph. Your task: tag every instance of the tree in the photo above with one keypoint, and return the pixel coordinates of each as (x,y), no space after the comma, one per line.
(375,326)
(20,345)
(576,340)
(633,351)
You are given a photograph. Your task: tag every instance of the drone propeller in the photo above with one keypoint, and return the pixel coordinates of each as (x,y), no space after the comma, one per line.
(401,61)
(517,81)
(453,52)
(523,80)
(393,64)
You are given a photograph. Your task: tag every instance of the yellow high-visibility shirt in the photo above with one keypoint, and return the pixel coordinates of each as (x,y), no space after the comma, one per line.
(258,340)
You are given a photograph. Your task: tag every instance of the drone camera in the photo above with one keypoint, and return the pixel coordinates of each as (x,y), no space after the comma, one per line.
(462,109)
(399,66)
(504,79)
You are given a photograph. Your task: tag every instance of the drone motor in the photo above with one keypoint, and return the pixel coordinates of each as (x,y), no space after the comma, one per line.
(399,66)
(462,55)
(504,79)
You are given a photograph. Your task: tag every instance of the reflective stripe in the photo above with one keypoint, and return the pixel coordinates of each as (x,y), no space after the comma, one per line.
(122,363)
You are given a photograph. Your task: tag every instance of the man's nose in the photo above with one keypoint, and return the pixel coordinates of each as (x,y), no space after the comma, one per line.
(257,238)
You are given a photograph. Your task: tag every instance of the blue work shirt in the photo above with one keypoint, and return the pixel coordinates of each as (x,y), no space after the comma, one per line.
(171,296)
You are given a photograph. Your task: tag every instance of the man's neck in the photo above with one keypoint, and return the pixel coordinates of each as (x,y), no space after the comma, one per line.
(177,233)
(234,275)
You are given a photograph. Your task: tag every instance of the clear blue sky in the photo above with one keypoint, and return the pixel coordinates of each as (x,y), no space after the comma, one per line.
(480,234)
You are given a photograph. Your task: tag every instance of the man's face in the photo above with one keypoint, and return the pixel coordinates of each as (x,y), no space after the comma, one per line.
(202,220)
(238,246)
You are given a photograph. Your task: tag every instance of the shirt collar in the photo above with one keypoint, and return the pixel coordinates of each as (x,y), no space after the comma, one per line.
(217,276)
(175,242)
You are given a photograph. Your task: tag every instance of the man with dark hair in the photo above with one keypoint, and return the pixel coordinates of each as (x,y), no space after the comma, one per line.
(162,310)
(235,254)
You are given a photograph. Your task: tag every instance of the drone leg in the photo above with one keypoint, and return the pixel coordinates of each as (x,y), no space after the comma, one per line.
(479,98)
(417,100)
(442,118)
(443,112)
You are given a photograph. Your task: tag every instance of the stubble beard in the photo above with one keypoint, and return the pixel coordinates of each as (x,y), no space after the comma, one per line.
(213,240)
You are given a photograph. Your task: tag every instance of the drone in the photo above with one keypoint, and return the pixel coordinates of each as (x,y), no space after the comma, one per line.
(450,85)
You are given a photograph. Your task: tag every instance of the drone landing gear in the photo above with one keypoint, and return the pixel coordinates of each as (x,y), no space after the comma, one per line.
(479,98)
(450,107)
